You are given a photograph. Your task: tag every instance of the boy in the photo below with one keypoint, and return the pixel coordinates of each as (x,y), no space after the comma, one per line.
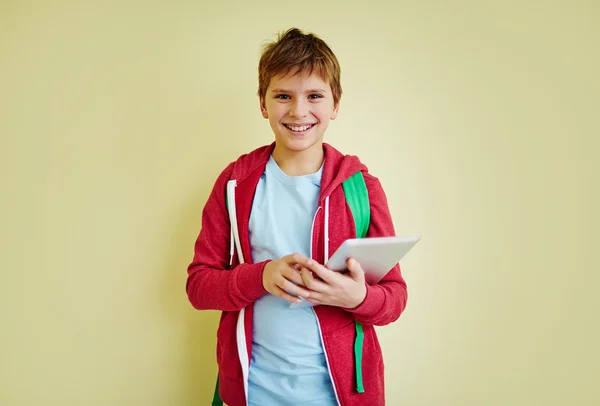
(273,218)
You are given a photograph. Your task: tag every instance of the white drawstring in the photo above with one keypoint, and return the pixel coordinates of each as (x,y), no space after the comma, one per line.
(231,246)
(233,218)
(240,330)
(326,230)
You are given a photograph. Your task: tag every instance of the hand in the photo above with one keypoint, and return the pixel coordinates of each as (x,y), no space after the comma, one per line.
(346,290)
(279,276)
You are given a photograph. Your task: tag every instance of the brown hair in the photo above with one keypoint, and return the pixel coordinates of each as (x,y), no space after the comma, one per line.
(297,52)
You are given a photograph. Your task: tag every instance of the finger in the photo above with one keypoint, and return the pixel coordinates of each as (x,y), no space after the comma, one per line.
(285,296)
(320,298)
(295,258)
(356,271)
(315,300)
(327,275)
(312,283)
(292,289)
(293,274)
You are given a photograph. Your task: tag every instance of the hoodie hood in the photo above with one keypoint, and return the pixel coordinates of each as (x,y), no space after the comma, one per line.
(337,167)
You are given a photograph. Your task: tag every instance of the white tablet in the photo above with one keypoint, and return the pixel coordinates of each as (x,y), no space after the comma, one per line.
(377,255)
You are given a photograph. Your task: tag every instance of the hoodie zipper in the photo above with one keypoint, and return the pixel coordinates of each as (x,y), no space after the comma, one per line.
(313,309)
(312,231)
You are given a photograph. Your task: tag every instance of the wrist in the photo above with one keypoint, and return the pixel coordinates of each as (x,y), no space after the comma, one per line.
(264,273)
(360,298)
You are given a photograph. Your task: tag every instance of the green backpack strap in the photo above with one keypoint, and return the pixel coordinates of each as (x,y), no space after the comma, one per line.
(216,398)
(357,197)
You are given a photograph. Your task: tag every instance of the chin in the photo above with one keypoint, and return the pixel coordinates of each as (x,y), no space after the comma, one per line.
(298,145)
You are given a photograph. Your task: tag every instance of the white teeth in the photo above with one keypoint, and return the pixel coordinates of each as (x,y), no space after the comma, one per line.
(302,128)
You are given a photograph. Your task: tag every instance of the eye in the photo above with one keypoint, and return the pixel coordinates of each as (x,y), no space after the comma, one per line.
(282,96)
(315,96)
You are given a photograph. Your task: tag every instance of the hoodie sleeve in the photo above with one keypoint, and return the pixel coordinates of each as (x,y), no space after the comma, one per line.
(210,283)
(386,300)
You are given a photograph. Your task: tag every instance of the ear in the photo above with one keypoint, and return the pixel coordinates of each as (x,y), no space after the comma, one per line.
(263,108)
(335,111)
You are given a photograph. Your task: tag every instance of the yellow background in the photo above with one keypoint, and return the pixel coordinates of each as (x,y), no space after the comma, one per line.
(479,117)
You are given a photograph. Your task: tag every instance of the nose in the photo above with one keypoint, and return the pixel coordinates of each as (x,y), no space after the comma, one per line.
(298,108)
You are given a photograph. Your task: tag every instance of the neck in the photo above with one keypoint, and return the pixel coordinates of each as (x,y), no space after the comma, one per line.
(299,163)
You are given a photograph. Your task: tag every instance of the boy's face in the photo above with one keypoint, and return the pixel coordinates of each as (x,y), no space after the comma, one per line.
(299,108)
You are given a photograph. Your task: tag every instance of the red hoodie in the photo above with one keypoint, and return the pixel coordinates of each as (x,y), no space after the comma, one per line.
(215,284)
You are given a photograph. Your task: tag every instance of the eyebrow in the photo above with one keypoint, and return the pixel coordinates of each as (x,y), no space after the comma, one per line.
(308,91)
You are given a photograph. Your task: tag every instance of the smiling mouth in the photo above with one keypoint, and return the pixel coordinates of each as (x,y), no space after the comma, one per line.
(299,128)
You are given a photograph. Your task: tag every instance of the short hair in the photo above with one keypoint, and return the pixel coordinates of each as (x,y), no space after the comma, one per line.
(296,52)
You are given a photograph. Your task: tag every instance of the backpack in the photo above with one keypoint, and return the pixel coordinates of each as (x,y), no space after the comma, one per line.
(357,197)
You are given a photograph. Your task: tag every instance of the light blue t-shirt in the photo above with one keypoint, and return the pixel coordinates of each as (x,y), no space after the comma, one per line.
(288,365)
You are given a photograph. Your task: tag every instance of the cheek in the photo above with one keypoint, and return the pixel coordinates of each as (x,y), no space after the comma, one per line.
(324,112)
(276,112)
(324,117)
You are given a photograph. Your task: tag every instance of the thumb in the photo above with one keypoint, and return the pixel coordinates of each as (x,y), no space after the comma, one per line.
(356,271)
